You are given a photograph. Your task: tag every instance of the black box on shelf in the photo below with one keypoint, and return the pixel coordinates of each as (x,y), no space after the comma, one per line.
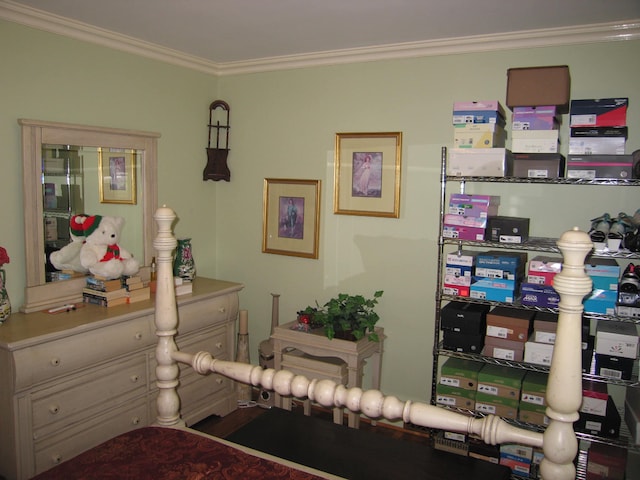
(536,165)
(461,342)
(463,317)
(507,229)
(607,426)
(611,366)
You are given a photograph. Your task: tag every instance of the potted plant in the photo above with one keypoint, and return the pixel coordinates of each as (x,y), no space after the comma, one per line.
(350,317)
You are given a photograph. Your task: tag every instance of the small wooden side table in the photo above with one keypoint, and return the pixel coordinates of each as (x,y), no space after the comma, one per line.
(317,344)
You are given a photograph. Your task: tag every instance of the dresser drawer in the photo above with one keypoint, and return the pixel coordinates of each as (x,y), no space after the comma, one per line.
(88,394)
(47,361)
(70,442)
(214,311)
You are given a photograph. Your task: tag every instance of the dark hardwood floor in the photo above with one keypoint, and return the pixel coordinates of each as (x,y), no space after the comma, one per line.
(224,426)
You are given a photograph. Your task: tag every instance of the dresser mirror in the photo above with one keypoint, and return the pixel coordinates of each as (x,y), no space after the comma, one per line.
(65,172)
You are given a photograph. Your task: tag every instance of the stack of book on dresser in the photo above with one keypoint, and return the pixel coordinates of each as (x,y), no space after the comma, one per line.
(104,292)
(113,292)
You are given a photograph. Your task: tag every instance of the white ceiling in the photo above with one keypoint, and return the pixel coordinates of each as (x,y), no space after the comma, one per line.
(227,31)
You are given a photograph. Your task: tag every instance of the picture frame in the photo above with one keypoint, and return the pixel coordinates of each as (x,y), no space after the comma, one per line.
(291,217)
(117,172)
(367,174)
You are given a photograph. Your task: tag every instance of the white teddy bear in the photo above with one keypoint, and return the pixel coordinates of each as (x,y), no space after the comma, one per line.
(100,254)
(68,257)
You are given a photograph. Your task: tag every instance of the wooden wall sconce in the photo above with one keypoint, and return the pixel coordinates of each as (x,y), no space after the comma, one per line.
(217,168)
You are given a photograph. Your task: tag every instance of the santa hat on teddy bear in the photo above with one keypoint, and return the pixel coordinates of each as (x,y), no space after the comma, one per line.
(84,225)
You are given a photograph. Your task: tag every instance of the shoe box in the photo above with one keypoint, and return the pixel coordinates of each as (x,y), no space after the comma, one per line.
(612,366)
(500,381)
(504,229)
(463,317)
(496,405)
(495,290)
(532,413)
(600,166)
(534,389)
(594,397)
(458,273)
(538,353)
(542,268)
(478,162)
(544,85)
(632,413)
(535,295)
(481,206)
(499,264)
(606,462)
(543,117)
(509,323)
(599,112)
(545,325)
(537,165)
(604,272)
(604,426)
(617,338)
(503,349)
(535,141)
(479,135)
(460,373)
(601,301)
(455,397)
(462,342)
(518,458)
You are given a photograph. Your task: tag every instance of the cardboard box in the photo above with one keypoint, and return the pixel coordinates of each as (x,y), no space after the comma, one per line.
(534,295)
(607,426)
(535,141)
(597,145)
(600,132)
(537,165)
(481,206)
(460,373)
(492,105)
(510,262)
(534,86)
(477,162)
(594,397)
(509,323)
(601,112)
(456,290)
(538,353)
(494,290)
(463,317)
(600,166)
(535,118)
(462,342)
(632,413)
(606,462)
(501,406)
(455,397)
(545,322)
(617,338)
(463,233)
(601,301)
(534,389)
(604,272)
(531,413)
(505,229)
(462,258)
(461,117)
(611,366)
(479,135)
(501,381)
(465,221)
(503,349)
(545,263)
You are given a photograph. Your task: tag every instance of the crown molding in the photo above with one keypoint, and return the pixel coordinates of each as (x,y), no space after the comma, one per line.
(595,33)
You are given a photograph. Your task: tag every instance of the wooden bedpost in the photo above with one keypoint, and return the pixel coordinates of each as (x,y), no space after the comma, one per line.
(166,321)
(564,387)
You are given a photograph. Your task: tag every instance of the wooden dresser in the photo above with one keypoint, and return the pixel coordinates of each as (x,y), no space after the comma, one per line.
(72,380)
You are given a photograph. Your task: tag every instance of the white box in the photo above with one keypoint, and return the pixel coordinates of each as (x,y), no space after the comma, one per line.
(478,135)
(597,145)
(477,162)
(534,141)
(618,339)
(538,353)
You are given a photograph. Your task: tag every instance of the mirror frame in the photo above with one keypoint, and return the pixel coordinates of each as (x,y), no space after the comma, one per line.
(39,294)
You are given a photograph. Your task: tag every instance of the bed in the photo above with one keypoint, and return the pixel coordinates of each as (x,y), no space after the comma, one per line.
(168,450)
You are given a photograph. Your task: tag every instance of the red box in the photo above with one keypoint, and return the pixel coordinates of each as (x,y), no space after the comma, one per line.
(600,112)
(606,461)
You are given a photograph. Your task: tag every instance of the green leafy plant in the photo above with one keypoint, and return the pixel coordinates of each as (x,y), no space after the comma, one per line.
(347,314)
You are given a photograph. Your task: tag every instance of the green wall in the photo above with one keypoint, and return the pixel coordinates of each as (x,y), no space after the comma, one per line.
(283,126)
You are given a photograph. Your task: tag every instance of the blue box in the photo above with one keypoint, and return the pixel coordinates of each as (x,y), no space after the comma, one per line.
(601,301)
(494,290)
(534,295)
(513,263)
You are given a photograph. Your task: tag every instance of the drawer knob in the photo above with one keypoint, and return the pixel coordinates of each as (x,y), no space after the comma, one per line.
(54,409)
(135,378)
(138,336)
(219,381)
(219,345)
(135,420)
(55,362)
(222,309)
(56,458)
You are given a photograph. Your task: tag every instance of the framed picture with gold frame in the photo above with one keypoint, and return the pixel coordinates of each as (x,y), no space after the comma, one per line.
(367,174)
(117,171)
(291,217)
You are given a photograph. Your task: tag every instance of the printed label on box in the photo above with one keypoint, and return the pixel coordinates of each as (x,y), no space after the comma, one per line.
(451,382)
(530,398)
(503,353)
(499,332)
